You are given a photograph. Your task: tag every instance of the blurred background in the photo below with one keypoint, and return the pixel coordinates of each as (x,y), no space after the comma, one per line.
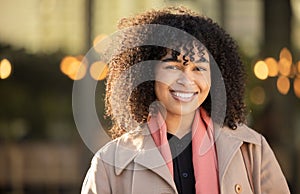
(42,43)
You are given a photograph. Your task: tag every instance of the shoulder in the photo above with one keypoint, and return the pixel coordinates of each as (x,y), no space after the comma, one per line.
(125,145)
(244,133)
(106,152)
(264,164)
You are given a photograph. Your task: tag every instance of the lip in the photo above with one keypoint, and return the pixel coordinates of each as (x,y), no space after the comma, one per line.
(183,96)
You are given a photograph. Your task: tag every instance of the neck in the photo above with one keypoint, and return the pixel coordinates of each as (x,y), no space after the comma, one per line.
(179,125)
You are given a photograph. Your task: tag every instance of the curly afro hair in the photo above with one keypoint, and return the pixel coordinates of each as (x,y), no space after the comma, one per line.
(129,97)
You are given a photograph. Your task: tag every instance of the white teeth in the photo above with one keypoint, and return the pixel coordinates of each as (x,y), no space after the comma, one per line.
(183,95)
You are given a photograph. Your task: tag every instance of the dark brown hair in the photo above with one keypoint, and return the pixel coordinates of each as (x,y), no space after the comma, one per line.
(124,109)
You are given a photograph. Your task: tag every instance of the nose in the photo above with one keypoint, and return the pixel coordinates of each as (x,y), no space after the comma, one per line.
(185,79)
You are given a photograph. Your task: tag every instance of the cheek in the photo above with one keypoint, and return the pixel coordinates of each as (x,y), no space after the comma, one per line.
(165,77)
(156,89)
(160,89)
(203,82)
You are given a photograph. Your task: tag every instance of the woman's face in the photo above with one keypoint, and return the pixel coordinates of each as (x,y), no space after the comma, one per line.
(182,85)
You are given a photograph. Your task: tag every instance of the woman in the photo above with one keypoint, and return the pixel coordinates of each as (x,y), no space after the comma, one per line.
(175,128)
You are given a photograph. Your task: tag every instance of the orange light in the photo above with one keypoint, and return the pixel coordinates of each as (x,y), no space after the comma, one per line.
(293,71)
(65,64)
(286,54)
(73,67)
(98,39)
(285,62)
(261,70)
(5,69)
(283,84)
(297,86)
(80,57)
(284,67)
(77,70)
(272,66)
(99,70)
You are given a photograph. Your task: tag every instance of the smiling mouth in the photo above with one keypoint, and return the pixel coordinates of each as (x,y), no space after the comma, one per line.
(183,96)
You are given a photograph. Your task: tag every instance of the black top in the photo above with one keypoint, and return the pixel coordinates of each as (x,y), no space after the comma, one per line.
(181,150)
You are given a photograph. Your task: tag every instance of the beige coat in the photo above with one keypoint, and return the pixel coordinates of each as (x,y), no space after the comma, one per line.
(133,165)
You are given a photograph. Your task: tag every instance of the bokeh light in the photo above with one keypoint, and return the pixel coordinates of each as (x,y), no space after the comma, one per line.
(98,39)
(261,70)
(285,62)
(5,69)
(98,70)
(286,54)
(284,67)
(65,64)
(272,66)
(297,86)
(73,67)
(283,84)
(77,70)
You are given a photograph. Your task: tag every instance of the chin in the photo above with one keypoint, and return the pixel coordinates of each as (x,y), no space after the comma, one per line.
(184,111)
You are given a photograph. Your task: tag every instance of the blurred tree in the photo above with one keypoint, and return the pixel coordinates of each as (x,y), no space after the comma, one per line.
(277,119)
(36,93)
(277,16)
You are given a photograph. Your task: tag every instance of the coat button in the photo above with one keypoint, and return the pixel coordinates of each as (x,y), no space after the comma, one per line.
(238,188)
(185,174)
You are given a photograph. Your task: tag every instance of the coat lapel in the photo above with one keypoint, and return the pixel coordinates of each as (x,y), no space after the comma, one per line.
(143,151)
(152,159)
(228,142)
(226,146)
(126,151)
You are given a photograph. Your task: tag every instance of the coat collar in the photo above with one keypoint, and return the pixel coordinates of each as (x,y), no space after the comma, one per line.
(141,149)
(229,141)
